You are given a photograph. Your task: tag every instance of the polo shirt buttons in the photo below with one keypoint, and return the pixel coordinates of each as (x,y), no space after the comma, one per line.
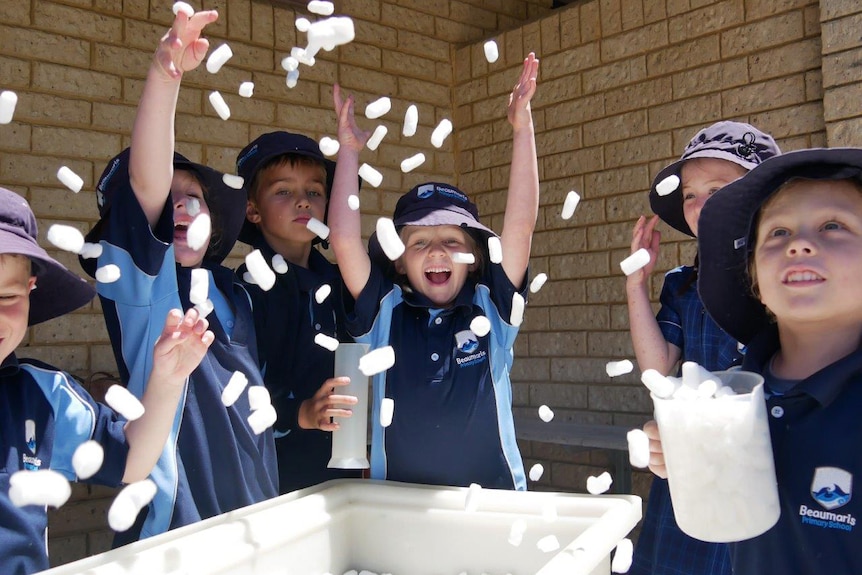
(777,411)
(317,326)
(435,356)
(230,324)
(438,321)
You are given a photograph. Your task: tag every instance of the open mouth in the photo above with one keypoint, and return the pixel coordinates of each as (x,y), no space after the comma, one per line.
(438,275)
(803,277)
(181,230)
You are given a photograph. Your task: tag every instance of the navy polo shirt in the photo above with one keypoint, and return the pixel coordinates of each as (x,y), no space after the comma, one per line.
(816,433)
(44,416)
(452,423)
(212,462)
(286,318)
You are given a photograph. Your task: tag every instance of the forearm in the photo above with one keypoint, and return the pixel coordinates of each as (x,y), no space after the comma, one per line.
(522,204)
(346,224)
(652,350)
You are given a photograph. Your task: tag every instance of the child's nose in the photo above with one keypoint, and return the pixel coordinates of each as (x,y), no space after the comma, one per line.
(800,245)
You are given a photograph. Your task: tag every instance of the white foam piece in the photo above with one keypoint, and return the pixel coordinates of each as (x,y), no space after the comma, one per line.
(279,265)
(471,499)
(259,270)
(200,286)
(317,227)
(378,108)
(218,57)
(635,261)
(549,512)
(707,388)
(248,278)
(193,206)
(129,502)
(387,410)
(8,101)
(326,341)
(668,185)
(536,471)
(377,360)
(329,33)
(370,175)
(322,293)
(413,162)
(91,251)
(622,560)
(480,325)
(517,316)
(548,543)
(411,121)
(301,56)
(219,105)
(546,414)
(353,202)
(87,459)
(617,368)
(441,132)
(491,51)
(302,24)
(516,532)
(329,146)
(232,181)
(538,282)
(258,397)
(638,448)
(724,391)
(600,484)
(108,274)
(70,179)
(42,487)
(262,419)
(206,308)
(463,258)
(292,78)
(123,402)
(68,238)
(495,250)
(569,206)
(321,7)
(246,89)
(658,384)
(377,137)
(183,7)
(198,232)
(685,392)
(289,63)
(389,239)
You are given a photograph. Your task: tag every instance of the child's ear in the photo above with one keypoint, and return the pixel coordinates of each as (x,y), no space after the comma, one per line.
(399,266)
(251,212)
(31,284)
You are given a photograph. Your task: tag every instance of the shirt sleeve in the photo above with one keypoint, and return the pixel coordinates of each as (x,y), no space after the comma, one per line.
(361,315)
(668,316)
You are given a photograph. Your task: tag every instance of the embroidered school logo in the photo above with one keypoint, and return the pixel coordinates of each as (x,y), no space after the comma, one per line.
(425,191)
(31,462)
(467,343)
(831,487)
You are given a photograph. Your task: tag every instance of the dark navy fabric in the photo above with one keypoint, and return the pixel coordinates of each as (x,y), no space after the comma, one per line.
(44,416)
(452,422)
(663,549)
(287,317)
(212,462)
(816,431)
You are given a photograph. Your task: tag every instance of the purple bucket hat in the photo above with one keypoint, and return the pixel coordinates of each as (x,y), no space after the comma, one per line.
(736,142)
(58,291)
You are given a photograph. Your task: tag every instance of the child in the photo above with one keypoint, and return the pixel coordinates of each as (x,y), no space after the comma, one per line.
(782,253)
(453,425)
(149,197)
(681,331)
(289,181)
(46,414)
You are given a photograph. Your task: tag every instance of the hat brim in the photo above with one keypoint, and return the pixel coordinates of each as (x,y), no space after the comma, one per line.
(726,237)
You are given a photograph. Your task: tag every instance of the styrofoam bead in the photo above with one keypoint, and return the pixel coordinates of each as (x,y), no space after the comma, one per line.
(411,121)
(516,532)
(219,105)
(491,51)
(301,56)
(259,270)
(377,360)
(329,146)
(91,251)
(200,286)
(292,78)
(495,250)
(108,274)
(659,385)
(549,512)
(370,175)
(198,232)
(193,206)
(87,459)
(321,7)
(441,132)
(279,265)
(622,561)
(685,392)
(353,202)
(123,402)
(302,24)
(617,368)
(413,162)
(206,308)
(538,282)
(248,278)
(129,502)
(317,227)
(668,185)
(326,341)
(548,543)
(378,107)
(389,239)
(387,410)
(635,261)
(471,499)
(377,137)
(517,316)
(480,325)
(183,7)
(546,414)
(322,293)
(536,471)
(232,181)
(41,487)
(234,388)
(600,484)
(218,57)
(68,238)
(329,33)
(723,391)
(569,206)
(8,101)
(638,448)
(262,419)
(463,258)
(246,89)
(70,179)
(289,63)
(258,397)
(707,388)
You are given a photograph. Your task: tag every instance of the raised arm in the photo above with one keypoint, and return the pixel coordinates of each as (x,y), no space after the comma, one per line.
(345,224)
(151,164)
(522,200)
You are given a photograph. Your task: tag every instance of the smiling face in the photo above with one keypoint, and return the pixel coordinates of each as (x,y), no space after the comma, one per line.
(808,253)
(427,261)
(702,177)
(188,200)
(15,285)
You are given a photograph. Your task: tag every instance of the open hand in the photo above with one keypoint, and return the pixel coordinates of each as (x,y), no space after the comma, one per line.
(644,235)
(349,134)
(181,346)
(182,48)
(519,112)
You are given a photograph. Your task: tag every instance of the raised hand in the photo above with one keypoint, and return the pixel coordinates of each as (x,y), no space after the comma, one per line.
(182,48)
(181,346)
(644,235)
(317,411)
(349,134)
(519,112)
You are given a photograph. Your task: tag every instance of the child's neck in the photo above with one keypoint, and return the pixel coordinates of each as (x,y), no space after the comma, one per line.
(804,352)
(295,253)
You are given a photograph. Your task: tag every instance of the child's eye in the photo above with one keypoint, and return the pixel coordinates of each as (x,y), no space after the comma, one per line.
(831,226)
(779,233)
(314,193)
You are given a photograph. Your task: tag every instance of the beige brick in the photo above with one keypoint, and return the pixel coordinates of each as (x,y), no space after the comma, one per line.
(406,18)
(831,9)
(615,74)
(17,137)
(468,13)
(579,161)
(72,328)
(611,16)
(530,369)
(842,102)
(456,32)
(239,19)
(407,65)
(842,67)
(694,53)
(284,24)
(841,34)
(803,119)
(764,96)
(136,8)
(87,144)
(15,13)
(634,42)
(558,241)
(512,47)
(615,128)
(421,91)
(64,79)
(362,78)
(763,34)
(559,293)
(578,369)
(121,61)
(556,344)
(65,549)
(83,23)
(634,399)
(550,32)
(559,395)
(635,178)
(217,28)
(755,10)
(796,57)
(654,10)
(689,112)
(38,45)
(708,20)
(262,23)
(532,37)
(721,76)
(813,85)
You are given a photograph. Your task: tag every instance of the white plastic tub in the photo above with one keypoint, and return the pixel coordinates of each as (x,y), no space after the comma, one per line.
(396,528)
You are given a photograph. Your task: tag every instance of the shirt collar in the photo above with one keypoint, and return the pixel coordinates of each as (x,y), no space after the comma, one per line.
(464,299)
(9,366)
